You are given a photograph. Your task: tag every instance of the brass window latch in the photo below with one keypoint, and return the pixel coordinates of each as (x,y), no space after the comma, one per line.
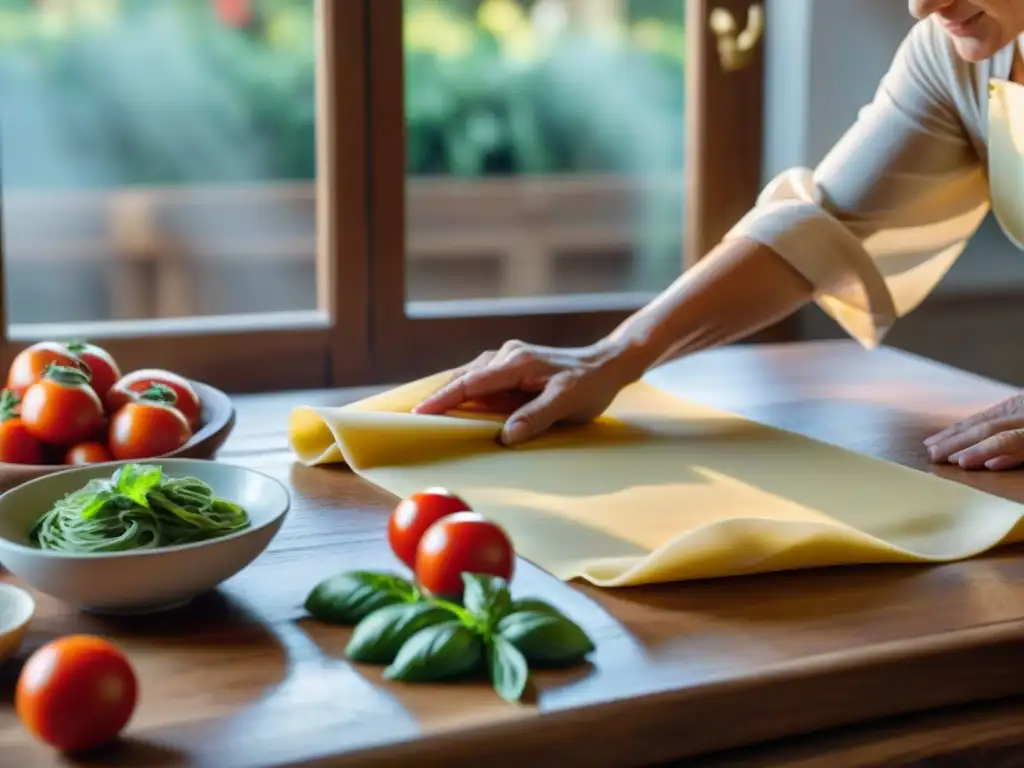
(735,46)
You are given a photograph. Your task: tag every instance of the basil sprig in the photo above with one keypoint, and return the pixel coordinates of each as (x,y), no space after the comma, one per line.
(547,639)
(486,597)
(349,597)
(380,635)
(423,639)
(439,652)
(510,672)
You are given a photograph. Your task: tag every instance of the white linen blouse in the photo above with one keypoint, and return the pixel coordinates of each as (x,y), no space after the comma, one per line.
(880,221)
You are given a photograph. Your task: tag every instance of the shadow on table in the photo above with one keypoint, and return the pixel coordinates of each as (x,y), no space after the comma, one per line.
(130,751)
(779,596)
(812,603)
(212,616)
(195,636)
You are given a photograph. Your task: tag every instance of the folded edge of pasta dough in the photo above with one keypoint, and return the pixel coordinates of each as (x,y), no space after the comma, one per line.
(367,439)
(380,431)
(747,546)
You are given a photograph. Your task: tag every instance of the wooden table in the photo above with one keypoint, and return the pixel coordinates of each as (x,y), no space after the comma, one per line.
(241,678)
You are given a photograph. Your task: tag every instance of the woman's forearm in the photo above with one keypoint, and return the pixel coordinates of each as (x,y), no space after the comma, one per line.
(738,289)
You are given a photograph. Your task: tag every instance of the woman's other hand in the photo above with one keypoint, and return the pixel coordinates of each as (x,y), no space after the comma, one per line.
(558,385)
(992,439)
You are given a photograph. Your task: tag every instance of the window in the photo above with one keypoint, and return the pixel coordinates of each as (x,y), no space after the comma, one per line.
(292,193)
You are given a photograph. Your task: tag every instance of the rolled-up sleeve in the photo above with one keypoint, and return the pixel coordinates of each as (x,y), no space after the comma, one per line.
(880,221)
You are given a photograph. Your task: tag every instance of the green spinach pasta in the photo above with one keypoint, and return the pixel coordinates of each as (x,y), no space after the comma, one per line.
(138,508)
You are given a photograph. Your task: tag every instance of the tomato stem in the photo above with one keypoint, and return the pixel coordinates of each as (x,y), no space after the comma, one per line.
(65,374)
(159,393)
(8,405)
(75,348)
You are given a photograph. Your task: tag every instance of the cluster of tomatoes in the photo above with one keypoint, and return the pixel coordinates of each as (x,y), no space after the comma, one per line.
(67,403)
(439,537)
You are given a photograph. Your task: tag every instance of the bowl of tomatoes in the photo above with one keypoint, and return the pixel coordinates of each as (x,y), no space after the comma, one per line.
(68,404)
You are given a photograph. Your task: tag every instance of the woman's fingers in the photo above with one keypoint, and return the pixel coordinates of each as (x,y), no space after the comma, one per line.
(480,361)
(482,383)
(998,411)
(1010,461)
(1005,444)
(540,413)
(942,450)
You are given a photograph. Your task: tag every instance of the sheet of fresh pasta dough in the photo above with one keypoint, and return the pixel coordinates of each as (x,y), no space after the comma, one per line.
(660,489)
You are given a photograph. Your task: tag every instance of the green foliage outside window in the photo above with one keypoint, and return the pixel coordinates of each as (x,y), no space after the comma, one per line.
(124,92)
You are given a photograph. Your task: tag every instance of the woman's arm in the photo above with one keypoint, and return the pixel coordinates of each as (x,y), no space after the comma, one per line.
(738,289)
(867,235)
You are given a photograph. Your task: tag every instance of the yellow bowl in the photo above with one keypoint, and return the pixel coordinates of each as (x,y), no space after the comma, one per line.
(16,610)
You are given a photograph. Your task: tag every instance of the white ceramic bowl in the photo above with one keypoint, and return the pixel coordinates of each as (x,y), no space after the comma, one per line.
(140,581)
(16,610)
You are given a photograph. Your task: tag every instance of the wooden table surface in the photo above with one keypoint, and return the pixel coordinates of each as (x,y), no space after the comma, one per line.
(242,678)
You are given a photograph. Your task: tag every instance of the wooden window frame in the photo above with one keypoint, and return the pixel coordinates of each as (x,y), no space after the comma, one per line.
(326,346)
(360,332)
(723,168)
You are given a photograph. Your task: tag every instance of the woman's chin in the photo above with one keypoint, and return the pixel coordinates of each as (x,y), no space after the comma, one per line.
(974,49)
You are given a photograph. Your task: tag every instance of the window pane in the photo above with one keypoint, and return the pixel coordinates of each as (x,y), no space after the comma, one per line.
(159,157)
(545,146)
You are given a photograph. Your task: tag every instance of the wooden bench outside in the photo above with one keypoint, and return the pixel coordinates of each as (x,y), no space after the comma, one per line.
(530,231)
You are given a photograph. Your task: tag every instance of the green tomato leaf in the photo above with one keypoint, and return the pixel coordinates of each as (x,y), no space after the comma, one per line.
(438,652)
(378,637)
(347,598)
(509,672)
(545,638)
(486,597)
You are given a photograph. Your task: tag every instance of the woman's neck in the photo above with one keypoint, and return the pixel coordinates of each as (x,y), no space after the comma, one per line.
(1017,70)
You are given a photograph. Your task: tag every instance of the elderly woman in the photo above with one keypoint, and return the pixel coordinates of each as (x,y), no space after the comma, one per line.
(867,235)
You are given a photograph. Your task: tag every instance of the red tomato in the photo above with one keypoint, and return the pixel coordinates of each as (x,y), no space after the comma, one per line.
(62,408)
(91,452)
(414,515)
(156,382)
(17,445)
(465,542)
(101,363)
(76,692)
(31,363)
(144,429)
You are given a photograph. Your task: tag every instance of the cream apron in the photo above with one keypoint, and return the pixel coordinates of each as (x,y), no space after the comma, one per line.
(1006,156)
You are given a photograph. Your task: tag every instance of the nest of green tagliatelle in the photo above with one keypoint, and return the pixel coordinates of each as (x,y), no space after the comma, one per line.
(138,508)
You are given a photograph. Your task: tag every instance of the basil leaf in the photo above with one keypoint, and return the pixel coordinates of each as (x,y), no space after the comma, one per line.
(136,480)
(544,638)
(438,652)
(486,597)
(378,637)
(349,597)
(509,673)
(97,502)
(533,604)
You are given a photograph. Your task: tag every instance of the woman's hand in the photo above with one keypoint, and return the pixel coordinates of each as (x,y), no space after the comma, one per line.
(558,385)
(992,439)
